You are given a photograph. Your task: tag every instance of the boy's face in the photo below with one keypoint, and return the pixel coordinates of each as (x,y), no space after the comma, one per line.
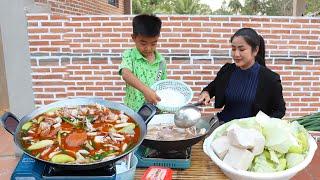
(145,44)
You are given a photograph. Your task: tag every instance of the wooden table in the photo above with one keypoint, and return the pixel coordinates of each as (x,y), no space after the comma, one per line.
(202,167)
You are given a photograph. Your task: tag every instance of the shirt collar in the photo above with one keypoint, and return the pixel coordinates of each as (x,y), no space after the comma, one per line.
(254,68)
(158,57)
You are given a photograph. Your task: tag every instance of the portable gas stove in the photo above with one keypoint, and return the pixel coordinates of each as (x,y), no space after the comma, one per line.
(31,169)
(174,159)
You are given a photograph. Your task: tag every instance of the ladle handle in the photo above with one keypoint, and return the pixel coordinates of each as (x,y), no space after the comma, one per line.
(198,103)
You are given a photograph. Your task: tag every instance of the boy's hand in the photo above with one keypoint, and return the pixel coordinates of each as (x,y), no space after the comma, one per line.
(204,97)
(151,96)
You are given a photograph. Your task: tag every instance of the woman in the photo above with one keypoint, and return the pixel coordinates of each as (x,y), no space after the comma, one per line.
(246,86)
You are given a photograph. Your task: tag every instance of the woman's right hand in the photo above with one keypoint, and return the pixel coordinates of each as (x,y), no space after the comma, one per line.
(204,97)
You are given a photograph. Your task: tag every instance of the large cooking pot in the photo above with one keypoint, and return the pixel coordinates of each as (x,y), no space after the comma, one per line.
(13,126)
(208,122)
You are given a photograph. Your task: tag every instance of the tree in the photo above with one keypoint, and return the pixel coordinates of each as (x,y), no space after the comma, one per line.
(313,7)
(170,7)
(145,6)
(258,7)
(223,10)
(252,7)
(235,6)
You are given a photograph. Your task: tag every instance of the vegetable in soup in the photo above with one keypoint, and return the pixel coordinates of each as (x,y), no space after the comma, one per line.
(79,135)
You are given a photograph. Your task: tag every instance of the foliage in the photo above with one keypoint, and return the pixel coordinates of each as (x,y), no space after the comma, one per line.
(257,7)
(170,7)
(313,7)
(229,7)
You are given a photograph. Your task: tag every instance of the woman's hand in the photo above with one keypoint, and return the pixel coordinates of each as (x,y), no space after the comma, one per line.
(151,96)
(204,97)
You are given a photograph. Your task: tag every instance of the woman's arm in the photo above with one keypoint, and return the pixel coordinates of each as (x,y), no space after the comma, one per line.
(278,104)
(210,89)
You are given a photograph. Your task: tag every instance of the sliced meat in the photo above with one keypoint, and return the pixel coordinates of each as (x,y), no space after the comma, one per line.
(76,139)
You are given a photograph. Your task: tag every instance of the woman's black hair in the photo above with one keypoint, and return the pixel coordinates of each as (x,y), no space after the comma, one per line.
(146,25)
(254,40)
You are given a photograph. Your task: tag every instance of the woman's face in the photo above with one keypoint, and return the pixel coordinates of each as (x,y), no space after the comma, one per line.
(242,53)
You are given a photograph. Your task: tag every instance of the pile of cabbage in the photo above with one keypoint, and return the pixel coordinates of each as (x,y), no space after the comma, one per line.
(286,143)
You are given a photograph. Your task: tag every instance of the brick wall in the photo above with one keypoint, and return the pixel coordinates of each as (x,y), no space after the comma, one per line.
(83,7)
(79,55)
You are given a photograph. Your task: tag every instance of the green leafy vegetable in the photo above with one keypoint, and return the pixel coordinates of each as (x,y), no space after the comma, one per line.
(102,155)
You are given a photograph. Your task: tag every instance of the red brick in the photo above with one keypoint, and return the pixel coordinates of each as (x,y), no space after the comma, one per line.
(179,18)
(80,19)
(300,20)
(41,70)
(279,19)
(84,83)
(251,25)
(77,88)
(94,88)
(199,18)
(217,19)
(54,89)
(51,23)
(43,96)
(58,17)
(72,24)
(37,17)
(300,31)
(37,30)
(84,93)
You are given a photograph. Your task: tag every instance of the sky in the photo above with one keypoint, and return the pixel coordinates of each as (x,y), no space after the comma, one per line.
(215,4)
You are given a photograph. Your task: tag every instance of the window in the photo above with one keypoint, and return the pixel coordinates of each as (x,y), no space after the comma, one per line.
(113,2)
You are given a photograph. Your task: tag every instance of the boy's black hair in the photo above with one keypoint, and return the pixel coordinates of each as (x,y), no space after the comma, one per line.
(146,25)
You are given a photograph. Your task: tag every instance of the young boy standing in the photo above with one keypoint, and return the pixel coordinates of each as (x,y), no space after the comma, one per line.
(143,65)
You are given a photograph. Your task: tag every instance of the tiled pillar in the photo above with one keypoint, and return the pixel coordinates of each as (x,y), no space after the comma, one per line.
(15,86)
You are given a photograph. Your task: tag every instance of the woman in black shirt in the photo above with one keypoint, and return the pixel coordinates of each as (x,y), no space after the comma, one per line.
(246,86)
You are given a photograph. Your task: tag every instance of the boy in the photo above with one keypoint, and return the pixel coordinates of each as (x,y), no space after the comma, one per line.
(143,65)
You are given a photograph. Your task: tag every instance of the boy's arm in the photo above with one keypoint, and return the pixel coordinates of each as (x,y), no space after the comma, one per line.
(164,73)
(133,81)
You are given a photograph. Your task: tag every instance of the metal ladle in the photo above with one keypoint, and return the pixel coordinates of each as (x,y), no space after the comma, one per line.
(188,115)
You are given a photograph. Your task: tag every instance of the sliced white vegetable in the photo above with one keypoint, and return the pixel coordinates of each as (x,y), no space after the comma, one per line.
(27,138)
(259,143)
(241,137)
(57,125)
(124,147)
(221,146)
(238,158)
(99,139)
(83,151)
(53,153)
(122,125)
(27,126)
(40,144)
(62,158)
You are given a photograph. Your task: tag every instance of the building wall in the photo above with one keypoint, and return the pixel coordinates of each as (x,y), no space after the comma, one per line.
(83,7)
(80,55)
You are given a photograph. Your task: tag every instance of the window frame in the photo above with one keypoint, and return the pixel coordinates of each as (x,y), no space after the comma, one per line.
(114,3)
